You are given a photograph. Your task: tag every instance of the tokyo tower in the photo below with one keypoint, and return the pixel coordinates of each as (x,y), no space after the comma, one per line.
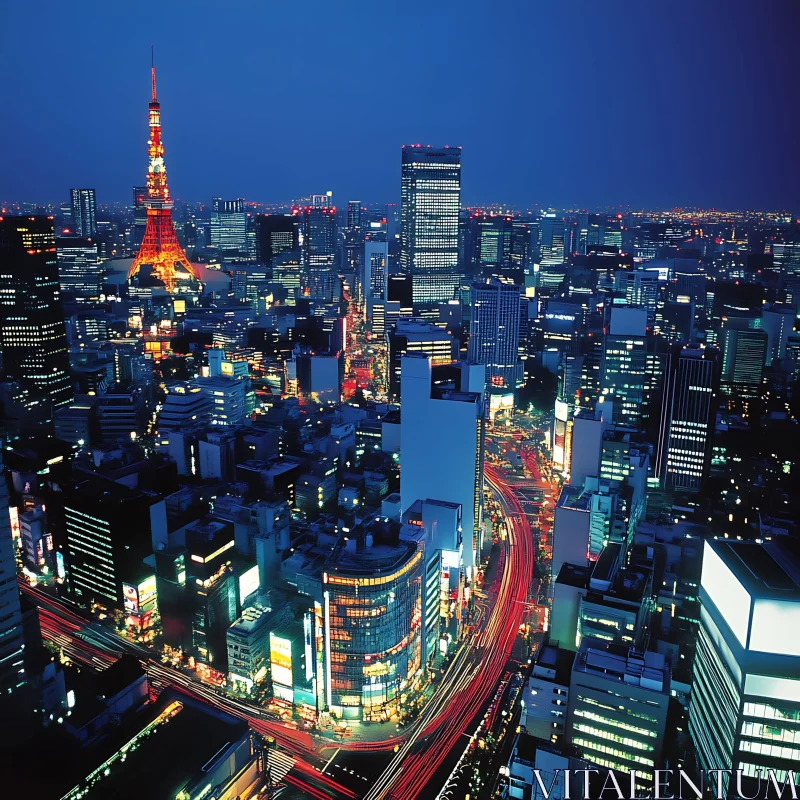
(160,247)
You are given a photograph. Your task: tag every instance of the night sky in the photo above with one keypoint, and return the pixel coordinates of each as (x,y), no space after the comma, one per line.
(577,104)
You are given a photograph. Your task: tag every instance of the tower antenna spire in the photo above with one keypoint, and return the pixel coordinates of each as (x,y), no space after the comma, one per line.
(153,69)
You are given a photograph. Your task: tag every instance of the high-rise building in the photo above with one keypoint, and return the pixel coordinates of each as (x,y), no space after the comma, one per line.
(228,225)
(319,237)
(746,679)
(618,701)
(552,253)
(494,334)
(376,269)
(80,271)
(354,215)
(160,248)
(417,336)
(276,234)
(625,363)
(449,422)
(84,212)
(691,384)
(105,529)
(399,289)
(744,353)
(430,196)
(12,672)
(488,242)
(33,336)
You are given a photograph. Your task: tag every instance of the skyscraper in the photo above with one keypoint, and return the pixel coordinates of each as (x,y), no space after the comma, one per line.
(319,236)
(276,234)
(691,383)
(376,267)
(33,336)
(80,271)
(228,225)
(625,363)
(449,422)
(552,255)
(494,333)
(744,353)
(430,196)
(488,244)
(84,215)
(354,215)
(746,679)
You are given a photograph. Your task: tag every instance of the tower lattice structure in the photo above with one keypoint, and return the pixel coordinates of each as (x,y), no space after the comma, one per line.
(160,247)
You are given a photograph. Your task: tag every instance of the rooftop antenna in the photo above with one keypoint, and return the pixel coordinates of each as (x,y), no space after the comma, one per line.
(153,69)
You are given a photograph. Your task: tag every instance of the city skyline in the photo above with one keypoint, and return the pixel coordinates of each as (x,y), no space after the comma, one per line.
(724,148)
(407,463)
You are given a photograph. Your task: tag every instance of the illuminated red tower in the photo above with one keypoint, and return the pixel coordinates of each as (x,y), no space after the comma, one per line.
(160,247)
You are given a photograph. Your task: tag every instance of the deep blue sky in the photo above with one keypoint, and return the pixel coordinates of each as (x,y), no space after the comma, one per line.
(564,103)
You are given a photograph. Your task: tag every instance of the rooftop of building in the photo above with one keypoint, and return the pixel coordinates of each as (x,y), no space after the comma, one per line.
(574,575)
(161,765)
(420,329)
(769,569)
(251,620)
(622,664)
(453,396)
(574,498)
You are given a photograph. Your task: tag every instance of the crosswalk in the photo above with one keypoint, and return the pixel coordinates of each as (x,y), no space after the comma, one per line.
(278,764)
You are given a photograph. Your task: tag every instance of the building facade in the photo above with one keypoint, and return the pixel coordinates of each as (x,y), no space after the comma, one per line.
(33,335)
(430,197)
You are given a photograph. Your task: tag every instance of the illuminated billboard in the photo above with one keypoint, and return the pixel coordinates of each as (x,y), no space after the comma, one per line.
(147,590)
(281,660)
(130,598)
(728,595)
(249,582)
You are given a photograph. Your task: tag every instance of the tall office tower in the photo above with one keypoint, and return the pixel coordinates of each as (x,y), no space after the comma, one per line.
(319,236)
(84,212)
(488,244)
(417,336)
(276,234)
(612,233)
(33,337)
(643,290)
(376,269)
(744,353)
(399,289)
(80,271)
(625,364)
(448,422)
(552,255)
(430,196)
(688,412)
(494,334)
(778,322)
(521,249)
(354,215)
(228,225)
(618,701)
(688,284)
(11,641)
(746,679)
(160,248)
